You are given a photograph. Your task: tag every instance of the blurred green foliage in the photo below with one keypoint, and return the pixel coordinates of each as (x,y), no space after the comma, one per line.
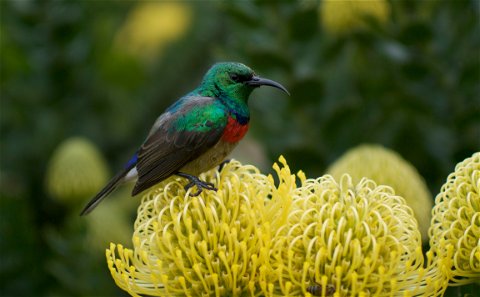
(411,84)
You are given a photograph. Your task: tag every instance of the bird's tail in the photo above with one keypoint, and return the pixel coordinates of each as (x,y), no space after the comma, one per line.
(109,187)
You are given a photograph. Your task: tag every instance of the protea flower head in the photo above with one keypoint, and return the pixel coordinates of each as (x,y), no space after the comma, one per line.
(346,239)
(386,167)
(342,16)
(76,171)
(254,237)
(456,221)
(217,243)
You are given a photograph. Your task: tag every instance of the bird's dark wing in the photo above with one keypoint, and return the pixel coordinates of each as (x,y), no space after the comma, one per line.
(179,136)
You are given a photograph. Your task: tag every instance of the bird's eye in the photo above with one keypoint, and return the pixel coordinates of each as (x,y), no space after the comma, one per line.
(235,77)
(240,78)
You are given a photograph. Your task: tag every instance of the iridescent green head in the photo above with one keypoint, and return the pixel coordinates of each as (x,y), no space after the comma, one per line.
(233,80)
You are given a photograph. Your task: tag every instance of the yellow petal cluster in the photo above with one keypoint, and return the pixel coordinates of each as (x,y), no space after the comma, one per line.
(342,16)
(258,237)
(386,167)
(76,171)
(151,26)
(456,221)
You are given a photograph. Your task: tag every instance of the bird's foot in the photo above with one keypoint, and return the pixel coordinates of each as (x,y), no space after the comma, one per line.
(195,181)
(225,162)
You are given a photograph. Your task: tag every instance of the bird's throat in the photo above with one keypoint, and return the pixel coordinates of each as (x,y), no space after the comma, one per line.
(234,131)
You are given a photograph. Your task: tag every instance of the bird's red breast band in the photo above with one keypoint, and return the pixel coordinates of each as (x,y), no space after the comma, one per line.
(234,131)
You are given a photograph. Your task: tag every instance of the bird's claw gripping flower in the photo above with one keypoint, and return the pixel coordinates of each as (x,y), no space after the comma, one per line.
(198,183)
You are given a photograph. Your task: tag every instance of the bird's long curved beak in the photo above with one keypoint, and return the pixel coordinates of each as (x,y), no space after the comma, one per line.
(257,81)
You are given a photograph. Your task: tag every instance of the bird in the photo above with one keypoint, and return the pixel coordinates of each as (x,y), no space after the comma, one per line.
(195,134)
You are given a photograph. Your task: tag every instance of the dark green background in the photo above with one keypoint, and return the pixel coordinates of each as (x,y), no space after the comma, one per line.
(411,84)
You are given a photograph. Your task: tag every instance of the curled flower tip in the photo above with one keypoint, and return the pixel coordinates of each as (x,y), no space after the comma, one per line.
(456,222)
(346,239)
(386,167)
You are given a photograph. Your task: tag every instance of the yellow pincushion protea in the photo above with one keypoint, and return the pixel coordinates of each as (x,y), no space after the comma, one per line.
(213,244)
(255,238)
(342,16)
(342,239)
(386,167)
(456,221)
(76,171)
(151,26)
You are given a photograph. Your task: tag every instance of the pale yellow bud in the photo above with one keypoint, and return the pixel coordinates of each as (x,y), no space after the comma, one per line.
(76,171)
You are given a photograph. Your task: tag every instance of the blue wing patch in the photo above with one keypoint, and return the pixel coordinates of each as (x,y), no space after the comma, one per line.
(132,162)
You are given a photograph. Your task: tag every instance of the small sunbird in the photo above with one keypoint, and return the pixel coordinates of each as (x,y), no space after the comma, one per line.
(194,134)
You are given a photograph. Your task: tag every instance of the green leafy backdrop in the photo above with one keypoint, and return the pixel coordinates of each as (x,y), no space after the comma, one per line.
(411,83)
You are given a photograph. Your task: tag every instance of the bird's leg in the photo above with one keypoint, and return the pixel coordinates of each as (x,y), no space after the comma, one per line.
(195,181)
(224,162)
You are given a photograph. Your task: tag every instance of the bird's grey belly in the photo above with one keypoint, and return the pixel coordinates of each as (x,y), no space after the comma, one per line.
(211,158)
